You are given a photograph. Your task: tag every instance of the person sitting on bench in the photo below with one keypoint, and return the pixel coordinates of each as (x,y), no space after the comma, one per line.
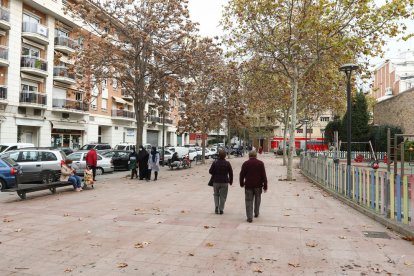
(69,174)
(175,161)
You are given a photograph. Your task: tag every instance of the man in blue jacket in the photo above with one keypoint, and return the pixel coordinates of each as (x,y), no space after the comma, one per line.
(253,179)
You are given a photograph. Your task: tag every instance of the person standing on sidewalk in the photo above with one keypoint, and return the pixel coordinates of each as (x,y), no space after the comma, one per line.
(143,163)
(133,156)
(253,179)
(92,161)
(222,174)
(154,163)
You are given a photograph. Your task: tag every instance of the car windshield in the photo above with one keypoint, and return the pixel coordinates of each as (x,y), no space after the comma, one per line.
(9,161)
(3,148)
(87,147)
(120,147)
(63,154)
(109,154)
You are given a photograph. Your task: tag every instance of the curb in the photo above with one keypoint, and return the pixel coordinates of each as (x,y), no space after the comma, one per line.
(390,224)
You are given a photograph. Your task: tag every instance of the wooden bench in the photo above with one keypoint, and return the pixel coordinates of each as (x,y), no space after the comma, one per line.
(23,189)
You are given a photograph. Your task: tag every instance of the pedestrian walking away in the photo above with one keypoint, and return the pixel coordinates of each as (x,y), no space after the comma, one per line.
(142,158)
(92,161)
(133,156)
(222,174)
(253,179)
(154,163)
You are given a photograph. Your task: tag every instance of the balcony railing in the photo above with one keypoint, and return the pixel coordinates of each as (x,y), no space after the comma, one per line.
(4,14)
(4,53)
(33,62)
(35,28)
(70,104)
(62,72)
(66,41)
(155,119)
(3,92)
(123,113)
(33,98)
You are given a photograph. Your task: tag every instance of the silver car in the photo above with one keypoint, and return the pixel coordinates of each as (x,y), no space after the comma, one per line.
(104,164)
(38,164)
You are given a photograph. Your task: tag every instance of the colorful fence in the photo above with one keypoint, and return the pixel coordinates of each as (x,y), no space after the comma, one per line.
(354,154)
(369,188)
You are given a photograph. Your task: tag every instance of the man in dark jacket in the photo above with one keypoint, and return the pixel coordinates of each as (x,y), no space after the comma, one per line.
(253,179)
(222,174)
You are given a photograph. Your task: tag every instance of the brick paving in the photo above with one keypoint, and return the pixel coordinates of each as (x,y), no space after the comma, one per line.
(168,227)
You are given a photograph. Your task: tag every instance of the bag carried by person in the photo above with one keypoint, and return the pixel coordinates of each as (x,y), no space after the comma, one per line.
(210,183)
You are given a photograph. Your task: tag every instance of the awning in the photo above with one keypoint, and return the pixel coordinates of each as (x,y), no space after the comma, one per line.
(29,122)
(120,100)
(67,125)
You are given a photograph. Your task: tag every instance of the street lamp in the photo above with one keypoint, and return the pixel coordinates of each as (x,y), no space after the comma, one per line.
(306,121)
(163,128)
(347,69)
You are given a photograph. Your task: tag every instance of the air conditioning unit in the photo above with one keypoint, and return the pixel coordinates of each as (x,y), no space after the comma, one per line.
(42,30)
(388,91)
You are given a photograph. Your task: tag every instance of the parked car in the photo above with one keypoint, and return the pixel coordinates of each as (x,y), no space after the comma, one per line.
(104,163)
(10,173)
(167,157)
(181,151)
(98,147)
(14,146)
(37,164)
(67,151)
(193,154)
(124,146)
(120,158)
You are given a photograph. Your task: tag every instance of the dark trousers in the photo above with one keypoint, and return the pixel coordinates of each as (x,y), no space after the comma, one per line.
(134,172)
(252,197)
(93,168)
(148,176)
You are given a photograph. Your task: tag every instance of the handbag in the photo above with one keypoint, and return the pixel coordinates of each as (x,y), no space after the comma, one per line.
(210,183)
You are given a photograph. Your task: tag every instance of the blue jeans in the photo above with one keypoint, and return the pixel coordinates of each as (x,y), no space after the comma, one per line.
(76,181)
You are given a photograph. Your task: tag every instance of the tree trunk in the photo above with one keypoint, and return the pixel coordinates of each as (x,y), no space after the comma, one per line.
(294,81)
(139,105)
(203,146)
(284,142)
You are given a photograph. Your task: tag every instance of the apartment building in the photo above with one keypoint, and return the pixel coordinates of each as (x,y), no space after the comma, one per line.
(39,101)
(394,76)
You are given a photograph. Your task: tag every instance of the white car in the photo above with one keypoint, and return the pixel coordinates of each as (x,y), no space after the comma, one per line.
(104,164)
(193,154)
(211,151)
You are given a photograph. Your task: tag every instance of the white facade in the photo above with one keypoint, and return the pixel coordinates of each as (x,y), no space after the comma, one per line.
(39,106)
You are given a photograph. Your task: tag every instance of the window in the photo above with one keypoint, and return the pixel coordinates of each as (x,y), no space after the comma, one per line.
(29,87)
(14,155)
(115,83)
(48,156)
(104,104)
(28,51)
(309,130)
(324,119)
(75,156)
(299,130)
(78,96)
(93,102)
(61,33)
(28,19)
(29,156)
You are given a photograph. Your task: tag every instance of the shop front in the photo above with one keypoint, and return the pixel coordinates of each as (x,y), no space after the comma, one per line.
(67,135)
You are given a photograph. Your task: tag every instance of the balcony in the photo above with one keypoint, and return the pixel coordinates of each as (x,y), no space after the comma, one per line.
(155,119)
(4,18)
(4,56)
(62,74)
(123,114)
(32,98)
(70,105)
(65,45)
(36,32)
(35,66)
(3,94)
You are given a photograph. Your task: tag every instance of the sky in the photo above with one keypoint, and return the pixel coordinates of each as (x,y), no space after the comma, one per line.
(208,14)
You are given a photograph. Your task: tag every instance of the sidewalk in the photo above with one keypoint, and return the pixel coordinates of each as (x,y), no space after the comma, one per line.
(168,227)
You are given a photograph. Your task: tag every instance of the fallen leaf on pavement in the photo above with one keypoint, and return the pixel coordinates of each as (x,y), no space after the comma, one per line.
(190,254)
(258,270)
(311,197)
(209,244)
(66,215)
(183,211)
(286,215)
(294,264)
(311,244)
(7,220)
(18,230)
(121,265)
(156,209)
(114,209)
(297,194)
(68,270)
(342,237)
(206,226)
(320,222)
(408,263)
(80,219)
(159,222)
(139,209)
(141,244)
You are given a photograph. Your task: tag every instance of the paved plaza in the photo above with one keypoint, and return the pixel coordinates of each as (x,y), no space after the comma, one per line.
(168,227)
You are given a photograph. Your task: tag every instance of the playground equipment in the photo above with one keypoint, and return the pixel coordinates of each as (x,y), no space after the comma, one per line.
(372,161)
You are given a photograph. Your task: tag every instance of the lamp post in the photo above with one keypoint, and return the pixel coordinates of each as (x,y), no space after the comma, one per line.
(306,121)
(347,69)
(163,128)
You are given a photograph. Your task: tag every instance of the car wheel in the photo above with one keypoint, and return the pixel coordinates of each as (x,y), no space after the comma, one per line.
(47,177)
(2,185)
(99,171)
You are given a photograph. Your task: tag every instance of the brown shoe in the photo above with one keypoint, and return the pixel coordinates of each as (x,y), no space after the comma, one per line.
(249,220)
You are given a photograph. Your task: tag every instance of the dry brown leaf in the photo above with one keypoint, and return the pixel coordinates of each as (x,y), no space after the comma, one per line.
(311,244)
(141,244)
(297,194)
(7,220)
(66,215)
(138,209)
(190,254)
(114,209)
(408,263)
(183,211)
(342,237)
(159,222)
(121,265)
(209,244)
(67,270)
(206,226)
(311,197)
(294,264)
(18,230)
(258,270)
(286,215)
